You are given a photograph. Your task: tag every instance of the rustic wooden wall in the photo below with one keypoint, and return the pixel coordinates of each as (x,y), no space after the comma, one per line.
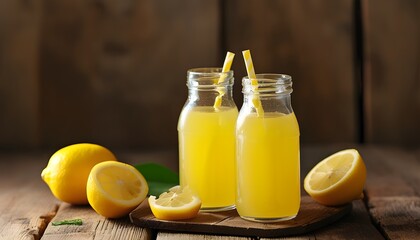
(19,80)
(392,71)
(113,72)
(312,42)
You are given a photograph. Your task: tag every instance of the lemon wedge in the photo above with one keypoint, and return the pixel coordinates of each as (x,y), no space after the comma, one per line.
(176,204)
(338,179)
(114,189)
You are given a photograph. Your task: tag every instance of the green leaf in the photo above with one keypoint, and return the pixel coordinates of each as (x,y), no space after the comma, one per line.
(158,177)
(68,222)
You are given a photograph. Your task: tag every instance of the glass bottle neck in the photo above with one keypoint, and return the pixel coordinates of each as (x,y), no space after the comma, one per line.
(208,78)
(267,85)
(207,84)
(272,91)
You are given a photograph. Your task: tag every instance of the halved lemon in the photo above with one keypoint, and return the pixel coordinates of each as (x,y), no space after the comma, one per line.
(176,204)
(338,179)
(114,189)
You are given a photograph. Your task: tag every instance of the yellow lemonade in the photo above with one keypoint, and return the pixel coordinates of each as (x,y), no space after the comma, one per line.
(207,154)
(268,166)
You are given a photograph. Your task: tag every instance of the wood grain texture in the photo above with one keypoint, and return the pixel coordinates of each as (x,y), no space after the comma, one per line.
(184,236)
(387,177)
(311,216)
(398,217)
(94,226)
(392,76)
(357,225)
(114,72)
(26,204)
(314,43)
(392,189)
(20,23)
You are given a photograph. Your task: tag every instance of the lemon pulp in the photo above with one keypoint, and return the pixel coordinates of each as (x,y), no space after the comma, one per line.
(338,179)
(114,189)
(176,204)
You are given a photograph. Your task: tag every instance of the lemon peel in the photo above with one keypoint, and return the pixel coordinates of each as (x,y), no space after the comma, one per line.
(68,169)
(176,204)
(114,189)
(338,179)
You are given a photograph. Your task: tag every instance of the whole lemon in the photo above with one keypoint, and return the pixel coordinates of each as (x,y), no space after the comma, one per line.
(68,170)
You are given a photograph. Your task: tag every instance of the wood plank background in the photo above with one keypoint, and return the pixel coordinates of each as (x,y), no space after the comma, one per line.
(312,42)
(113,72)
(392,72)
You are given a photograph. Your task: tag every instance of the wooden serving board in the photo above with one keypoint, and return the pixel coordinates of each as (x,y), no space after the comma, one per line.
(310,217)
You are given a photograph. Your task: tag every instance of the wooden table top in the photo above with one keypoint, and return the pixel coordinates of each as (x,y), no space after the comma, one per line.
(390,210)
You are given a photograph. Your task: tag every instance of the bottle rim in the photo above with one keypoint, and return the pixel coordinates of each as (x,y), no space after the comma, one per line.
(268,78)
(207,72)
(268,83)
(209,77)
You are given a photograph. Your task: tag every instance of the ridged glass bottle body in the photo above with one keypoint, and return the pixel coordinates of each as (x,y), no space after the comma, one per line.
(267,151)
(206,134)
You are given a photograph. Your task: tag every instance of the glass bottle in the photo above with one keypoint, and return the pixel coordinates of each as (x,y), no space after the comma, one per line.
(206,134)
(267,151)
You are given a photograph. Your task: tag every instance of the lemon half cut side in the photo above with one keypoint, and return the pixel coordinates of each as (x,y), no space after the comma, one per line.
(338,179)
(176,204)
(114,189)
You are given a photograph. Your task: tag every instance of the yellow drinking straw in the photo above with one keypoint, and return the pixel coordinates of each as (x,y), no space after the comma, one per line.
(226,68)
(227,64)
(254,82)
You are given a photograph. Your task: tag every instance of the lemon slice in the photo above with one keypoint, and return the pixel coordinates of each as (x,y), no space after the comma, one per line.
(338,179)
(114,189)
(176,204)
